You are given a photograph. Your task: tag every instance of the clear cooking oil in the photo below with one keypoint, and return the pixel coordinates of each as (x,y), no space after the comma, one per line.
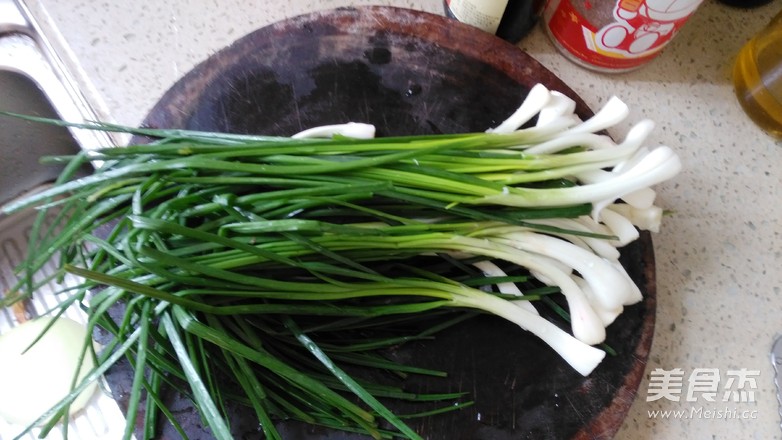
(757,77)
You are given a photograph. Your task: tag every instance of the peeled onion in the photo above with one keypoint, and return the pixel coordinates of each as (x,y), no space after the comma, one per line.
(32,382)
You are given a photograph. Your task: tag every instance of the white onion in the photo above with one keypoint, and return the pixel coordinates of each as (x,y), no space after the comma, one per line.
(32,382)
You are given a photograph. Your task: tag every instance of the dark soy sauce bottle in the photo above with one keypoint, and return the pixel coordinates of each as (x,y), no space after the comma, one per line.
(510,20)
(745,3)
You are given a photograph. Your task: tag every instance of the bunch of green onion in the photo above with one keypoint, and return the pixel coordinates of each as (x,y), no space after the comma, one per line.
(250,258)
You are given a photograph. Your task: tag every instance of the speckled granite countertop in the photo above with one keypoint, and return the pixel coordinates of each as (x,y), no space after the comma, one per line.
(718,257)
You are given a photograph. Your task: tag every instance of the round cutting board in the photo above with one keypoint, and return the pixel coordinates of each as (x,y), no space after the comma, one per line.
(410,72)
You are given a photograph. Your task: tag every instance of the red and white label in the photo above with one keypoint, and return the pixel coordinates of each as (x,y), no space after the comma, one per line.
(641,28)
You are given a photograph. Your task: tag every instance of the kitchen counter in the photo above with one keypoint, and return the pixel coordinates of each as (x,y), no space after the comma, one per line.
(719,253)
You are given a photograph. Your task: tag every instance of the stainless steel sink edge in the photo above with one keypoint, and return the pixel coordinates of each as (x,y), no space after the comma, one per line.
(26,48)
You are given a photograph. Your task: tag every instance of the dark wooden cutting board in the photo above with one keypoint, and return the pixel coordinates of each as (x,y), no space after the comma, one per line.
(411,72)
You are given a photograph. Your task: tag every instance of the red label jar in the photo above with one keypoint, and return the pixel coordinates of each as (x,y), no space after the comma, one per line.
(615,36)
